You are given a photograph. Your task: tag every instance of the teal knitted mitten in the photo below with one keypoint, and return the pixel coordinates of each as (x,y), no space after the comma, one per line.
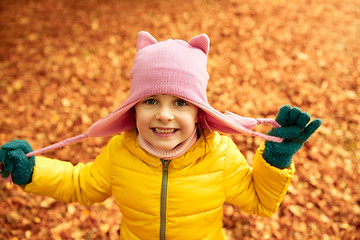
(295,131)
(14,162)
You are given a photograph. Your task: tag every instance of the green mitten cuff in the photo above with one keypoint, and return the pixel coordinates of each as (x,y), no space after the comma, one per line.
(280,156)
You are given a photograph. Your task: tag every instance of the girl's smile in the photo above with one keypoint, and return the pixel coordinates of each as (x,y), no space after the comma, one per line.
(165,121)
(164,131)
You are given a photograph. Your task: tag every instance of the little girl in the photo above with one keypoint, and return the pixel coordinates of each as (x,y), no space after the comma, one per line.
(170,171)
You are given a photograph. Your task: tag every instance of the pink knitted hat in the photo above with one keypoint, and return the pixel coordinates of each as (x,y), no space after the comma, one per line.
(172,67)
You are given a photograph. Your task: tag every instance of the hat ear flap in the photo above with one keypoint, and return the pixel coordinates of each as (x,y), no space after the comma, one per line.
(202,42)
(144,39)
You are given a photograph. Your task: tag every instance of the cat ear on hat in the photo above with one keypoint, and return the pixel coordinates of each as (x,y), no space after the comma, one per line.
(202,42)
(144,39)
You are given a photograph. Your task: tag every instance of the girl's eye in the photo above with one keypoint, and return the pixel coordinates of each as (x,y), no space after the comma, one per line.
(150,101)
(180,103)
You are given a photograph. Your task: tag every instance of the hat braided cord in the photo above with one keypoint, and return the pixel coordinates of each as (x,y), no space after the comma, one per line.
(58,145)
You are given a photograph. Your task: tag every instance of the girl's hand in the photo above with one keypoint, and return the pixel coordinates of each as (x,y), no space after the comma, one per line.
(295,131)
(15,163)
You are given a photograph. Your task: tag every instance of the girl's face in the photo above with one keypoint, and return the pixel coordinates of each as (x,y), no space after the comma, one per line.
(165,121)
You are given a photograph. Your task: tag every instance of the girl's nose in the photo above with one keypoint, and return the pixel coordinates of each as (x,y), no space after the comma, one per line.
(165,114)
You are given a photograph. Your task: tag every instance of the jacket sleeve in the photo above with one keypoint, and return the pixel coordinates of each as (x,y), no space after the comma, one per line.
(84,183)
(256,190)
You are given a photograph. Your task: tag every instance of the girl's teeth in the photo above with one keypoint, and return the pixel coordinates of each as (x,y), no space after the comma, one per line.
(164,130)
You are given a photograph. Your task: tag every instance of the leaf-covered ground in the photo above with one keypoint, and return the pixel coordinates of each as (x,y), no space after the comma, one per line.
(65,64)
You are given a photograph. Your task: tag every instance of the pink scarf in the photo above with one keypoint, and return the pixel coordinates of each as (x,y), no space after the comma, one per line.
(168,154)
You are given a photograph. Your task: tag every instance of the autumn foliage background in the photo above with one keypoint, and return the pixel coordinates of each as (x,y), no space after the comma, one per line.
(65,64)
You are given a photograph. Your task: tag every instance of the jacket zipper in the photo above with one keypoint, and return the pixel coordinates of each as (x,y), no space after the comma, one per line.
(163,199)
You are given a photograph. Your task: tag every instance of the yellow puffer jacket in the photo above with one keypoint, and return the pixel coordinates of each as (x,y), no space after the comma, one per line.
(181,201)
